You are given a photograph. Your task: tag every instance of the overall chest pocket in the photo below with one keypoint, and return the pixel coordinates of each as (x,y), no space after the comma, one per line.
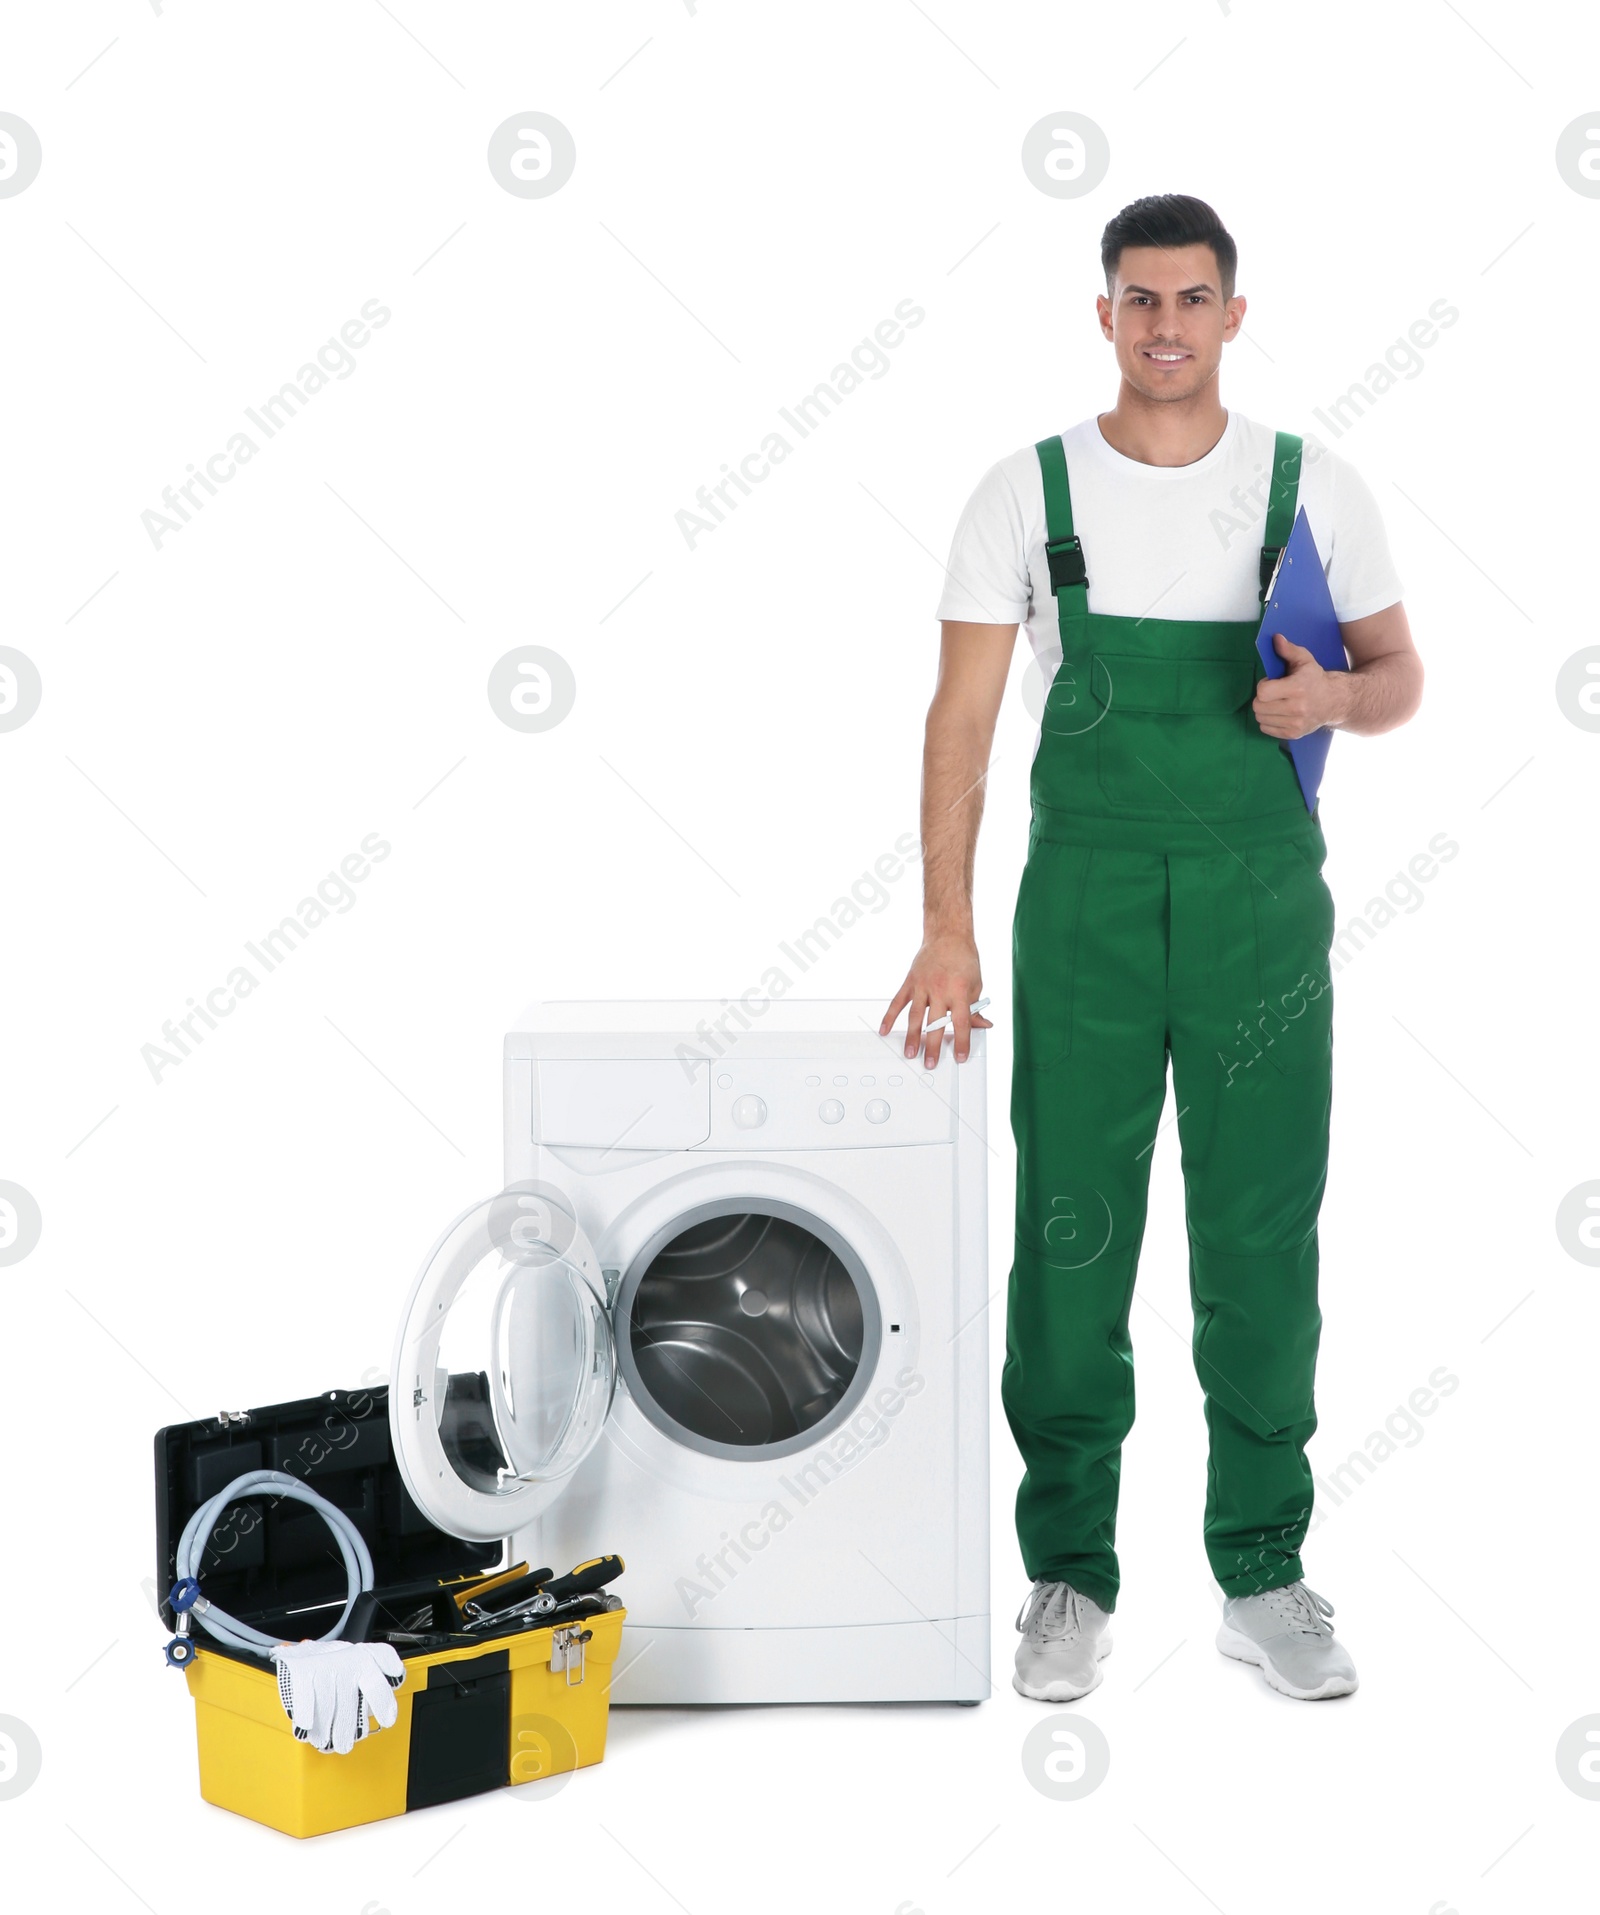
(1173,732)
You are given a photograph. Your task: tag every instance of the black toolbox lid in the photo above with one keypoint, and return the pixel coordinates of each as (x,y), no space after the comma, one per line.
(270,1556)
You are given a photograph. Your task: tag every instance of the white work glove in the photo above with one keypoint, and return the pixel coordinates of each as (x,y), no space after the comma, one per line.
(338,1693)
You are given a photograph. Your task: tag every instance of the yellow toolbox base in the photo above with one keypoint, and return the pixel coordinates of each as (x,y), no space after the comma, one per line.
(470,1719)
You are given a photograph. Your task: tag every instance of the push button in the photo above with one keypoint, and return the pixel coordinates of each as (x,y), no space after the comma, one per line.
(749,1113)
(877,1111)
(832,1111)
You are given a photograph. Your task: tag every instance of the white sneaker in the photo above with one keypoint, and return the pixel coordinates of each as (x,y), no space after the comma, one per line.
(1063,1638)
(1286,1634)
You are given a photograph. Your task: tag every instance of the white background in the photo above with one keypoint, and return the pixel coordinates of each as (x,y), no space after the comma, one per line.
(224,719)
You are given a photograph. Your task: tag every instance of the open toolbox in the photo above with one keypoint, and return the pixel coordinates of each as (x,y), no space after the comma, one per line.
(494,1694)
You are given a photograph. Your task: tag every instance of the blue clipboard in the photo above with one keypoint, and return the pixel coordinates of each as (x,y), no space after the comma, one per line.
(1300,606)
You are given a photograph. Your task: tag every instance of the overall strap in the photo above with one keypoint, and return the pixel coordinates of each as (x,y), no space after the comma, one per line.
(1281,502)
(1069,579)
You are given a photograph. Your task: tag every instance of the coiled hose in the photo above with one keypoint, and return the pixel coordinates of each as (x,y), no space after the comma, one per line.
(197,1533)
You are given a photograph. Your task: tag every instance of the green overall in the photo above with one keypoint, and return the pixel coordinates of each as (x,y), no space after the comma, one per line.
(1172,905)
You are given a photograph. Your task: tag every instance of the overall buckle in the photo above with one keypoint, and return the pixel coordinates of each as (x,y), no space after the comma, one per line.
(1067,568)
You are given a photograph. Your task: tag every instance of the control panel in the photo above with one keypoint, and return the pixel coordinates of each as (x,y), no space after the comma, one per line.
(811,1103)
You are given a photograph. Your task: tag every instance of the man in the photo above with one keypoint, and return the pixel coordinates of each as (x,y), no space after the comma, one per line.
(1172,906)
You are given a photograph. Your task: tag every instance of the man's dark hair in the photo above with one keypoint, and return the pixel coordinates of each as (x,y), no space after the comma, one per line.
(1170,220)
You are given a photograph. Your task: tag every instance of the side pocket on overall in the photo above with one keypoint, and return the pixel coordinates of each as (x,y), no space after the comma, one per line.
(1294,939)
(1044,948)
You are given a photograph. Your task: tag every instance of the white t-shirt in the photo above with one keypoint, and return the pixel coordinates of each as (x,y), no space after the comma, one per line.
(1160,541)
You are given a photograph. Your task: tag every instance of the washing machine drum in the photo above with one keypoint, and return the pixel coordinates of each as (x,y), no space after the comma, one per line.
(746,1332)
(504,1368)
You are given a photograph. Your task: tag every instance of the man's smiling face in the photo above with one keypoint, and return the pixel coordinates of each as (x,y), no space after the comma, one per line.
(1168,320)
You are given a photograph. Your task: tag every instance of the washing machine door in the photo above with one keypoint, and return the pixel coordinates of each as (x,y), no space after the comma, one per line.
(504,1367)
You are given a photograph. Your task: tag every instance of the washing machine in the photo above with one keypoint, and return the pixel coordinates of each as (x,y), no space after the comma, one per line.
(728,1318)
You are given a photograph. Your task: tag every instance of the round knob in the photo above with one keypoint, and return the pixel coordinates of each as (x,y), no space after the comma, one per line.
(749,1113)
(877,1111)
(832,1112)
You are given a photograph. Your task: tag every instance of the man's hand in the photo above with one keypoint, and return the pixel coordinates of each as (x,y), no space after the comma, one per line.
(1305,699)
(944,976)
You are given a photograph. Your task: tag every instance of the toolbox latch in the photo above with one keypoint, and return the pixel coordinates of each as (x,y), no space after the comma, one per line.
(567,1652)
